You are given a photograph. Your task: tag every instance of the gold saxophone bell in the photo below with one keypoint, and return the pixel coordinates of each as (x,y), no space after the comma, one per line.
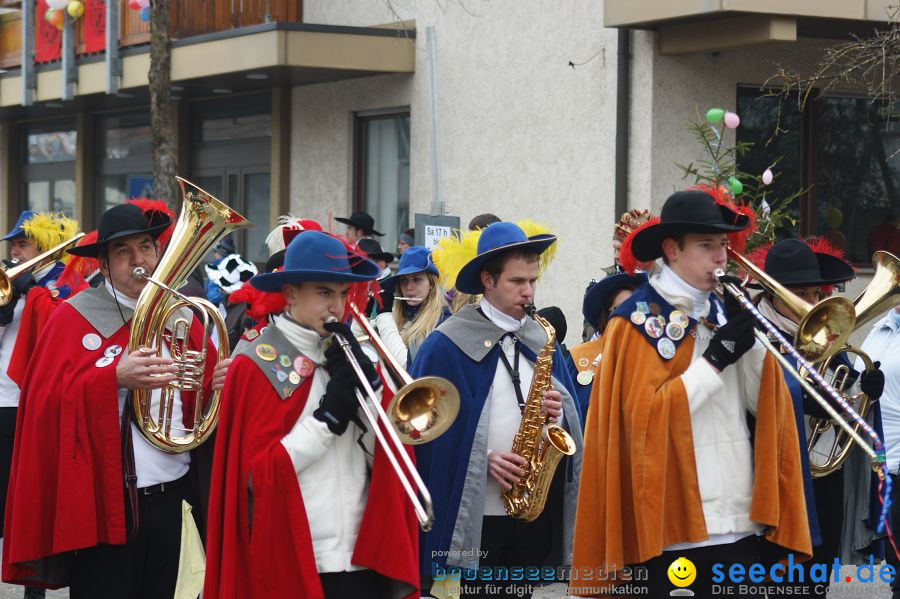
(37,263)
(828,444)
(204,221)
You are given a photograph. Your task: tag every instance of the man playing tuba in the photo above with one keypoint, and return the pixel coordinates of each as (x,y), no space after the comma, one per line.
(91,503)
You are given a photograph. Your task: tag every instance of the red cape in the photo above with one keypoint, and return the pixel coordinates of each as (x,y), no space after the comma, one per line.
(66,490)
(39,305)
(277,559)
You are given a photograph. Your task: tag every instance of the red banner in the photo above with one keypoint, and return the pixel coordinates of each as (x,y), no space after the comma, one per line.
(47,37)
(94,24)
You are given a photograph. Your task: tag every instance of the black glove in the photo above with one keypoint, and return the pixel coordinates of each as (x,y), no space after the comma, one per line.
(871,382)
(20,287)
(387,302)
(731,341)
(335,358)
(732,305)
(339,404)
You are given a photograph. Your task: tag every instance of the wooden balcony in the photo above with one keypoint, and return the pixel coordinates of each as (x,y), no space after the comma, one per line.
(186,19)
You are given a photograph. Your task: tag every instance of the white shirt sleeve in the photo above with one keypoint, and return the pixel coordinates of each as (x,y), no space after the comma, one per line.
(387,329)
(701,381)
(307,442)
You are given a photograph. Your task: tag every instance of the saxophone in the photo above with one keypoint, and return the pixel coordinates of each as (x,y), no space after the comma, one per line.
(526,499)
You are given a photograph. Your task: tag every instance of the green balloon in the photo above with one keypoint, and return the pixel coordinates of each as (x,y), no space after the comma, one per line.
(714,115)
(48,13)
(737,188)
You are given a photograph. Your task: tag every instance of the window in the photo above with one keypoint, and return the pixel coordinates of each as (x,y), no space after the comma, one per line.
(49,167)
(124,159)
(382,172)
(841,149)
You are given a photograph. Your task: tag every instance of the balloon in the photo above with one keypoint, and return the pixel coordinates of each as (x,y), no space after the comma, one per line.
(57,4)
(732,120)
(58,19)
(143,3)
(737,188)
(714,115)
(145,14)
(767,177)
(75,9)
(47,14)
(134,5)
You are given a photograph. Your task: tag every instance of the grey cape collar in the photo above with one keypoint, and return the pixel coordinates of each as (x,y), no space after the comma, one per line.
(476,336)
(99,308)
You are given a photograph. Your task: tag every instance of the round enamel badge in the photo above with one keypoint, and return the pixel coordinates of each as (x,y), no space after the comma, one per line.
(91,341)
(585,377)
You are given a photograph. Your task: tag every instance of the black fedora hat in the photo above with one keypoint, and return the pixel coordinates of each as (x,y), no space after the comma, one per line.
(793,263)
(361,220)
(374,251)
(692,211)
(123,220)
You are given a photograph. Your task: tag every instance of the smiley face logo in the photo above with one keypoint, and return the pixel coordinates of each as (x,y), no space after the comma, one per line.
(682,572)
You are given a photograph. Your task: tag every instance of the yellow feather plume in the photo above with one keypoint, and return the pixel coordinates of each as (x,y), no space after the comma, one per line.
(452,253)
(49,229)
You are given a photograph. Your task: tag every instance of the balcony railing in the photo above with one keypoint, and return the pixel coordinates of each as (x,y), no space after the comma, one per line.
(186,19)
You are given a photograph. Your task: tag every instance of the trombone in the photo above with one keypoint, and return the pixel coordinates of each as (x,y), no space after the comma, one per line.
(421,410)
(36,263)
(814,314)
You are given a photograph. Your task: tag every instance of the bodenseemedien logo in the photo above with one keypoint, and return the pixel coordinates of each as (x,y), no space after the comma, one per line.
(682,573)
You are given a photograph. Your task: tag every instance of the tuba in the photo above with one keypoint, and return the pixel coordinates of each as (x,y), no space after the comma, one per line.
(828,444)
(204,220)
(542,448)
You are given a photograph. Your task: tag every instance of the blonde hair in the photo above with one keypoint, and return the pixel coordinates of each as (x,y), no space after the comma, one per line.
(426,319)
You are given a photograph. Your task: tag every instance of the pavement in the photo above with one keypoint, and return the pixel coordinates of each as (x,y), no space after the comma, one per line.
(851,590)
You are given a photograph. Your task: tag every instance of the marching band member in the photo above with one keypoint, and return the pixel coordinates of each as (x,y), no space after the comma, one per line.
(488,352)
(69,520)
(669,467)
(298,505)
(600,301)
(421,307)
(840,504)
(33,234)
(360,225)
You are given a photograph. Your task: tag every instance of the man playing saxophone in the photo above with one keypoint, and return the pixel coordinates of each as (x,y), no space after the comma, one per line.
(492,352)
(670,468)
(91,503)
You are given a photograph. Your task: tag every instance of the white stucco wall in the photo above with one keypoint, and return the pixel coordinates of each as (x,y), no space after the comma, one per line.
(523,134)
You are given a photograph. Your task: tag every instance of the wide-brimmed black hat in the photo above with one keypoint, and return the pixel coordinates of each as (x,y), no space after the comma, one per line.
(120,221)
(793,263)
(361,220)
(596,295)
(686,212)
(374,251)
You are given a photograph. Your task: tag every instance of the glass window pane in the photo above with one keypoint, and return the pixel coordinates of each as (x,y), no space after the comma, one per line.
(759,120)
(386,175)
(126,136)
(38,196)
(256,198)
(857,183)
(115,189)
(236,127)
(51,146)
(64,196)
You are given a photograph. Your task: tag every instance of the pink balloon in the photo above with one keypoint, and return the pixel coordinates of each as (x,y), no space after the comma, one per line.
(134,5)
(732,120)
(767,176)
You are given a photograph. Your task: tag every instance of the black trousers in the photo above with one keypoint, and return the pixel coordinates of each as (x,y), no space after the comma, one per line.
(7,437)
(747,551)
(362,583)
(146,566)
(507,543)
(829,494)
(889,555)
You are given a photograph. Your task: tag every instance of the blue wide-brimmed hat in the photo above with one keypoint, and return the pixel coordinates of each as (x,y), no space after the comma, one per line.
(18,231)
(317,256)
(496,239)
(599,291)
(414,260)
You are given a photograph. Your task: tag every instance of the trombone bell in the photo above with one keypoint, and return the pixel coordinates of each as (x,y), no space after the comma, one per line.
(423,409)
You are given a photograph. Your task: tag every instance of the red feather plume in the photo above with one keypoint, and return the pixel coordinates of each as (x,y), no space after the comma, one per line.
(626,255)
(260,304)
(155,210)
(79,267)
(722,197)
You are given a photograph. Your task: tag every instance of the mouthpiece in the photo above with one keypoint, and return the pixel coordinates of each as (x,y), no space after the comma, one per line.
(529,309)
(139,273)
(718,273)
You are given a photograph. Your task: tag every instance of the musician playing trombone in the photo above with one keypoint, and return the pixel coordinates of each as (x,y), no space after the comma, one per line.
(843,504)
(298,505)
(670,468)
